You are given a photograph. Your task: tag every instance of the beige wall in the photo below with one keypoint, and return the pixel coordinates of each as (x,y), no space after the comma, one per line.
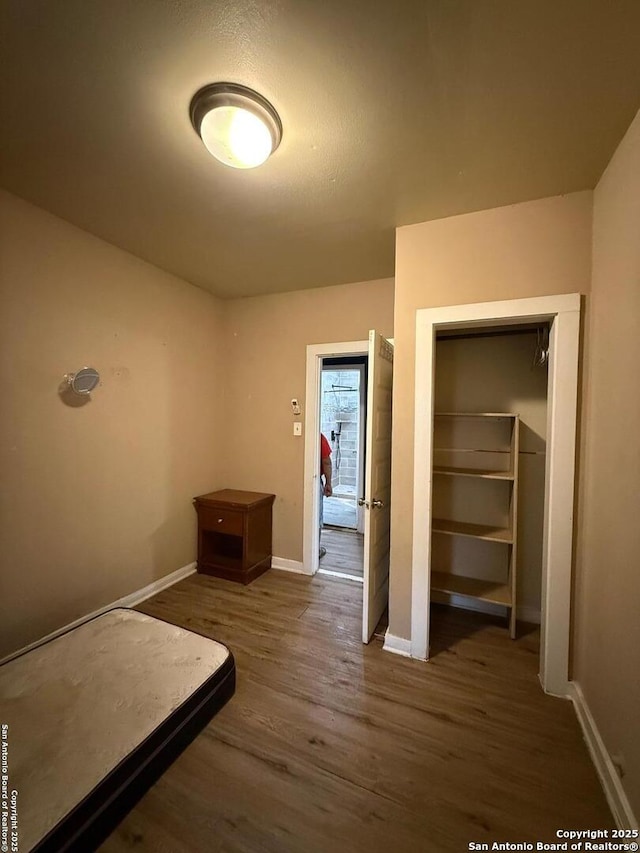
(265,358)
(531,249)
(495,374)
(195,395)
(96,500)
(607,644)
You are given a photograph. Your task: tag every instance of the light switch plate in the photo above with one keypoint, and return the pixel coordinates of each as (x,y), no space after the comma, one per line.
(297,427)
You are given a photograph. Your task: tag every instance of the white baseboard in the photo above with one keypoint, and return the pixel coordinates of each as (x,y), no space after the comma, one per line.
(342,575)
(155,587)
(614,792)
(128,601)
(295,566)
(396,645)
(285,565)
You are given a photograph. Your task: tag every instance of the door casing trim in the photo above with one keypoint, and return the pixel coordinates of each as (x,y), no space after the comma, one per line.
(315,354)
(563,312)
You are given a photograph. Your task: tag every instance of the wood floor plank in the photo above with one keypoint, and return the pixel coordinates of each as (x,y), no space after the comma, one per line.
(345,551)
(329,745)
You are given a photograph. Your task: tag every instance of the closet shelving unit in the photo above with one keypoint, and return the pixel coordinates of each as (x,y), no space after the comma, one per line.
(479,446)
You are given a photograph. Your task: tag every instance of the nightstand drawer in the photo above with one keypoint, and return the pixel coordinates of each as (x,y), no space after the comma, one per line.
(221,520)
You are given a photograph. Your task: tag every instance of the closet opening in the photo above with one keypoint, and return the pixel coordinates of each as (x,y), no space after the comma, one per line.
(433,503)
(489,442)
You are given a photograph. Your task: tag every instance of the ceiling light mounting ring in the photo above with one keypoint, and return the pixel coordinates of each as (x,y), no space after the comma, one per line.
(230,98)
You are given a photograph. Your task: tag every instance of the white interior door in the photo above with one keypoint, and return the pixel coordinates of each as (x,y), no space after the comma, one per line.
(377,479)
(362,422)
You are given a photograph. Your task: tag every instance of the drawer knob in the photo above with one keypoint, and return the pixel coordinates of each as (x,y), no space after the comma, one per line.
(220,520)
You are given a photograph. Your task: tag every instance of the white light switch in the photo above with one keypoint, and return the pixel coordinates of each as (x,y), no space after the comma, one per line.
(297,427)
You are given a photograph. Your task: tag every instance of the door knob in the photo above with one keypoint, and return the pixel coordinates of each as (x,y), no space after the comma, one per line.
(376,504)
(362,502)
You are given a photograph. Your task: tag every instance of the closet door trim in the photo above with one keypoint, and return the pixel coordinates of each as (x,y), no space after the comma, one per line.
(563,313)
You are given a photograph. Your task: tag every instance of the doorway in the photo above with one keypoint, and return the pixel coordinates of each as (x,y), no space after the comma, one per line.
(343,397)
(328,365)
(343,402)
(562,314)
(374,499)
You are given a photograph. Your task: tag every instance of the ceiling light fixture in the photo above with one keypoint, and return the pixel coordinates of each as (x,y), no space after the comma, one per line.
(237,125)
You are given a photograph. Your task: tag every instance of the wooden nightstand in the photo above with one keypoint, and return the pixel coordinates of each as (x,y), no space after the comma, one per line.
(234,534)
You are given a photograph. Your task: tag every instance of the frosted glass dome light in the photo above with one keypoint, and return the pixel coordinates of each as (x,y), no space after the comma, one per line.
(237,125)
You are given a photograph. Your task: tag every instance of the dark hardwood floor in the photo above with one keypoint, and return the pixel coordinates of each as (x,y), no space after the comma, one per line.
(345,551)
(332,746)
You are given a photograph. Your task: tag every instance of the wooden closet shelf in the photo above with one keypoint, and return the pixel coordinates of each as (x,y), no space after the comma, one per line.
(498,434)
(485,590)
(504,450)
(475,531)
(472,472)
(509,415)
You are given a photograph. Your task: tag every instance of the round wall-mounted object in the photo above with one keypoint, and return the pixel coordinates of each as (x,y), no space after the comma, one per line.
(84,381)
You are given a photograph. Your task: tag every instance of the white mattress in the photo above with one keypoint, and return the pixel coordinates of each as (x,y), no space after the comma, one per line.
(79,704)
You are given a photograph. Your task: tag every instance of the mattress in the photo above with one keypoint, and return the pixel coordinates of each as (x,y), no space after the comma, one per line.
(91,718)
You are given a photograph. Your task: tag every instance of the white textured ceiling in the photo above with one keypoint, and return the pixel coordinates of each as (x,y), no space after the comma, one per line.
(393,113)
